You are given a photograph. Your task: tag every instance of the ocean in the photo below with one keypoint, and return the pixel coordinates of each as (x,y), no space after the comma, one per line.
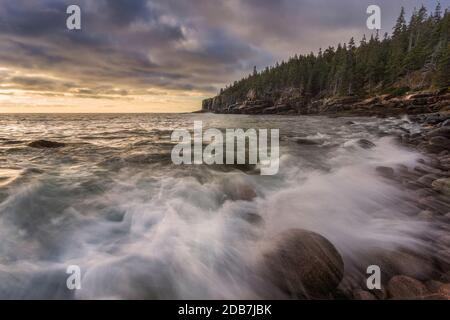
(139,227)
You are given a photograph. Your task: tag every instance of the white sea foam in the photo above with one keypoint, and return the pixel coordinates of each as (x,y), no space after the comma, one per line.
(152,230)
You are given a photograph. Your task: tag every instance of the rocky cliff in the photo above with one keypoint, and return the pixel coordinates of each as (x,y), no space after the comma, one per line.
(291,101)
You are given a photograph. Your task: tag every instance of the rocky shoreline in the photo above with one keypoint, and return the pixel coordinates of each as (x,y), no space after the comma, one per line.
(405,274)
(292,102)
(413,275)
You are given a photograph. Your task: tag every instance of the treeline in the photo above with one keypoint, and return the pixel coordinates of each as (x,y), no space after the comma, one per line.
(420,46)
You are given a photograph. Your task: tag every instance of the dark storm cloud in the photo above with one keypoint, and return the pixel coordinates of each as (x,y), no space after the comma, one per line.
(124,12)
(130,47)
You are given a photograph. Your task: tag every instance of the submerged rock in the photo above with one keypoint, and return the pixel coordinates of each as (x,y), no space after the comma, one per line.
(45,144)
(245,192)
(366,144)
(304,264)
(386,172)
(308,142)
(252,218)
(238,189)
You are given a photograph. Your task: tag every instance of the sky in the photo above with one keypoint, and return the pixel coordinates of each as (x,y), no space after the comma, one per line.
(161,55)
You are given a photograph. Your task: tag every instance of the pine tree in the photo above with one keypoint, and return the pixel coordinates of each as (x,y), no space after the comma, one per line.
(442,77)
(398,48)
(400,25)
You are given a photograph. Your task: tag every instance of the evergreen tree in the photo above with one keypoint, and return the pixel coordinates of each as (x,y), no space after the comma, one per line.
(420,46)
(442,77)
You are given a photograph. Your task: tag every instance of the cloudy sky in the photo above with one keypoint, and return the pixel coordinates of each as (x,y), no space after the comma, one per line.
(161,55)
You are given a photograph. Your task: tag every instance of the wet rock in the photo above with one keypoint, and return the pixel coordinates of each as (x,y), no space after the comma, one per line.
(442,131)
(45,144)
(427,180)
(386,172)
(442,185)
(245,192)
(303,264)
(440,141)
(366,144)
(363,295)
(435,204)
(414,185)
(433,119)
(404,287)
(308,142)
(426,147)
(407,263)
(424,169)
(252,218)
(433,286)
(239,190)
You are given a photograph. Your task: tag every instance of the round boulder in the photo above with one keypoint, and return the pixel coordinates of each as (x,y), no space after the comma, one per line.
(404,287)
(303,264)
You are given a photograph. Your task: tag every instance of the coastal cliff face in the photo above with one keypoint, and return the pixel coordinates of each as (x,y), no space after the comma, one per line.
(291,101)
